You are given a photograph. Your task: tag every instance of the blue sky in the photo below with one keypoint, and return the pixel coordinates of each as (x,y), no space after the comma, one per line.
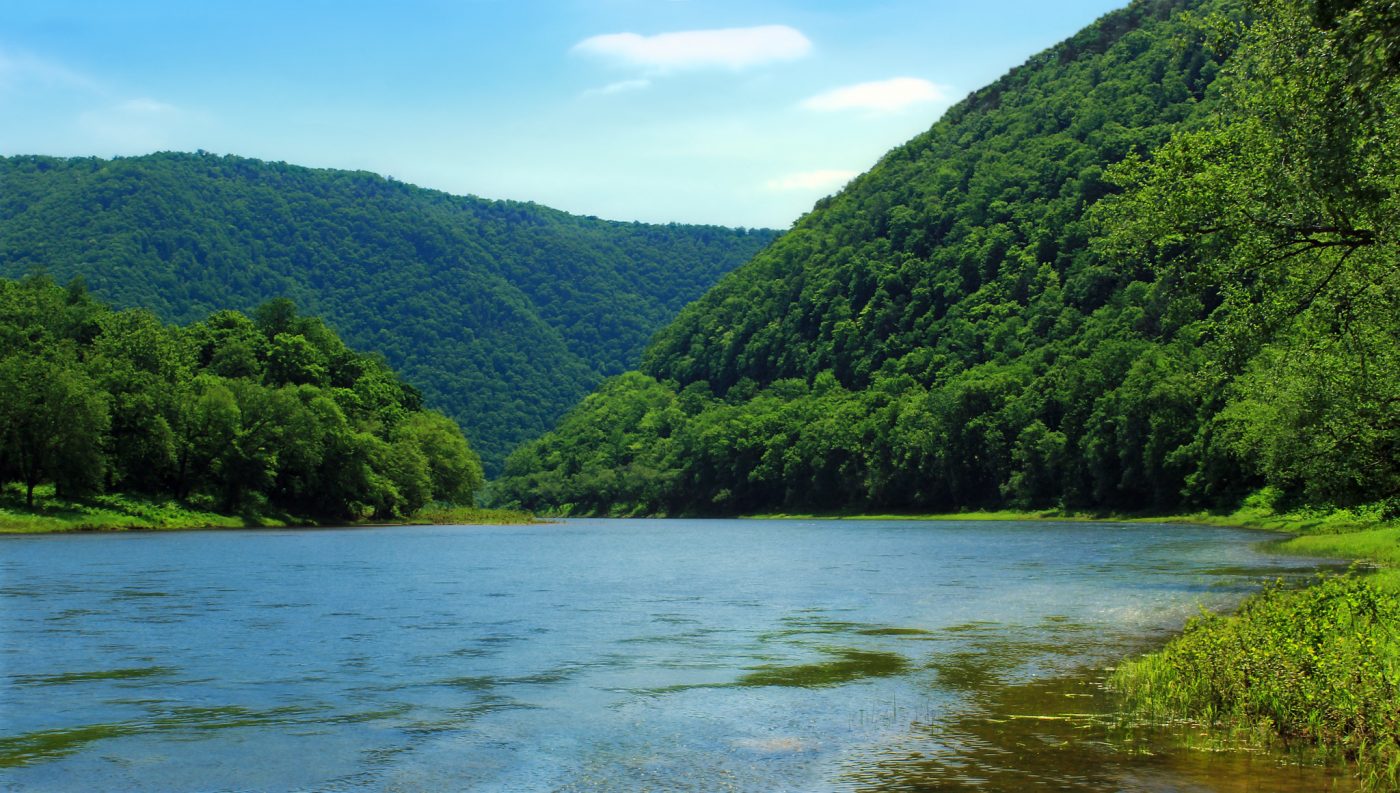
(740,112)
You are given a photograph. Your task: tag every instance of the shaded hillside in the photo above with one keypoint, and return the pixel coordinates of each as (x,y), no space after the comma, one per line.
(953,330)
(502,313)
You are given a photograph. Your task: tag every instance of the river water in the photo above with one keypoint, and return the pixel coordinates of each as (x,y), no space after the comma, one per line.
(608,655)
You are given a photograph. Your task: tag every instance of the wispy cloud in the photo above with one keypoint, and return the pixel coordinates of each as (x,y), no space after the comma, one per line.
(135,125)
(620,87)
(109,121)
(731,48)
(811,180)
(883,96)
(18,68)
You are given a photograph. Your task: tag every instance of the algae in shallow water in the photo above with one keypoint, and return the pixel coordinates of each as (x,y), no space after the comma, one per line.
(843,666)
(821,626)
(32,747)
(895,632)
(24,749)
(65,678)
(1063,733)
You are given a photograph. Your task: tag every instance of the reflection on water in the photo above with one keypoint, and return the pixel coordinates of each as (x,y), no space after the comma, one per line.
(609,655)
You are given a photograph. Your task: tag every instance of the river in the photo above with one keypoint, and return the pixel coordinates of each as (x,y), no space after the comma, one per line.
(608,655)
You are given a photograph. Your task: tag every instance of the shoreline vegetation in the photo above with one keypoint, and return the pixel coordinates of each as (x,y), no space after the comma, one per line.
(121,512)
(1313,671)
(1360,534)
(121,420)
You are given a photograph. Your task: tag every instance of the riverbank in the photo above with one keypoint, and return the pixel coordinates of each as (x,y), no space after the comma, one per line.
(1360,534)
(119,512)
(1315,668)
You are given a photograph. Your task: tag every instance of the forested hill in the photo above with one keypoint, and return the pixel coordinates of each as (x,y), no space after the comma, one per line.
(256,416)
(934,256)
(1153,267)
(502,313)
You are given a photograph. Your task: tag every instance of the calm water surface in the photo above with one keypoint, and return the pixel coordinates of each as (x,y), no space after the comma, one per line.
(607,655)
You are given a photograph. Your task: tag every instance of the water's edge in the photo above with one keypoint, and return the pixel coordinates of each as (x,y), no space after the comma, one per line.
(604,655)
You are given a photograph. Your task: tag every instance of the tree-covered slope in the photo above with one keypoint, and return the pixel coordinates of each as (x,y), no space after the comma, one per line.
(971,324)
(502,313)
(933,256)
(241,414)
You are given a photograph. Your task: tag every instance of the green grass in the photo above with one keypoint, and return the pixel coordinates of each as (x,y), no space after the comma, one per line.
(121,512)
(978,515)
(113,512)
(1380,545)
(1258,512)
(471,516)
(1316,667)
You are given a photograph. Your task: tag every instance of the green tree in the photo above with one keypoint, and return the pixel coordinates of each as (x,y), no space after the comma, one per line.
(228,344)
(140,363)
(405,468)
(292,360)
(52,419)
(205,424)
(1285,207)
(454,469)
(1039,462)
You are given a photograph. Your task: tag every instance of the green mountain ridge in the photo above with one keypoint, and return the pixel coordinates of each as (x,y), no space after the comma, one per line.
(502,313)
(953,221)
(973,322)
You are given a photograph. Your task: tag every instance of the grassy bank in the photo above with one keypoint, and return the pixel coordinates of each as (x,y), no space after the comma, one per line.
(1317,667)
(118,512)
(1360,533)
(470,516)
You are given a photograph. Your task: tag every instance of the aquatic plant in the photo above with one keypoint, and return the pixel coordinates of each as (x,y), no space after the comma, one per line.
(1316,667)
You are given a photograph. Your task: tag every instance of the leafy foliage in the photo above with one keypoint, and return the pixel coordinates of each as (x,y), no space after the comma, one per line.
(503,313)
(243,415)
(1146,270)
(1284,207)
(941,334)
(1321,665)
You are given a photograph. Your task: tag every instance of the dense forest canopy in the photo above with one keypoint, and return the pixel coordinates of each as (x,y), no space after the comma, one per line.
(243,414)
(1152,268)
(502,313)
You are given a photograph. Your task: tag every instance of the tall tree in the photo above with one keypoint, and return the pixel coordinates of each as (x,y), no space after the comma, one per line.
(1286,207)
(52,420)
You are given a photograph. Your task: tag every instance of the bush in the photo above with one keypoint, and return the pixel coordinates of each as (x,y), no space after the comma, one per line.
(1317,666)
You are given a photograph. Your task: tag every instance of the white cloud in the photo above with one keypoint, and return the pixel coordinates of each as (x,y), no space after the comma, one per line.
(620,87)
(882,96)
(732,48)
(812,180)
